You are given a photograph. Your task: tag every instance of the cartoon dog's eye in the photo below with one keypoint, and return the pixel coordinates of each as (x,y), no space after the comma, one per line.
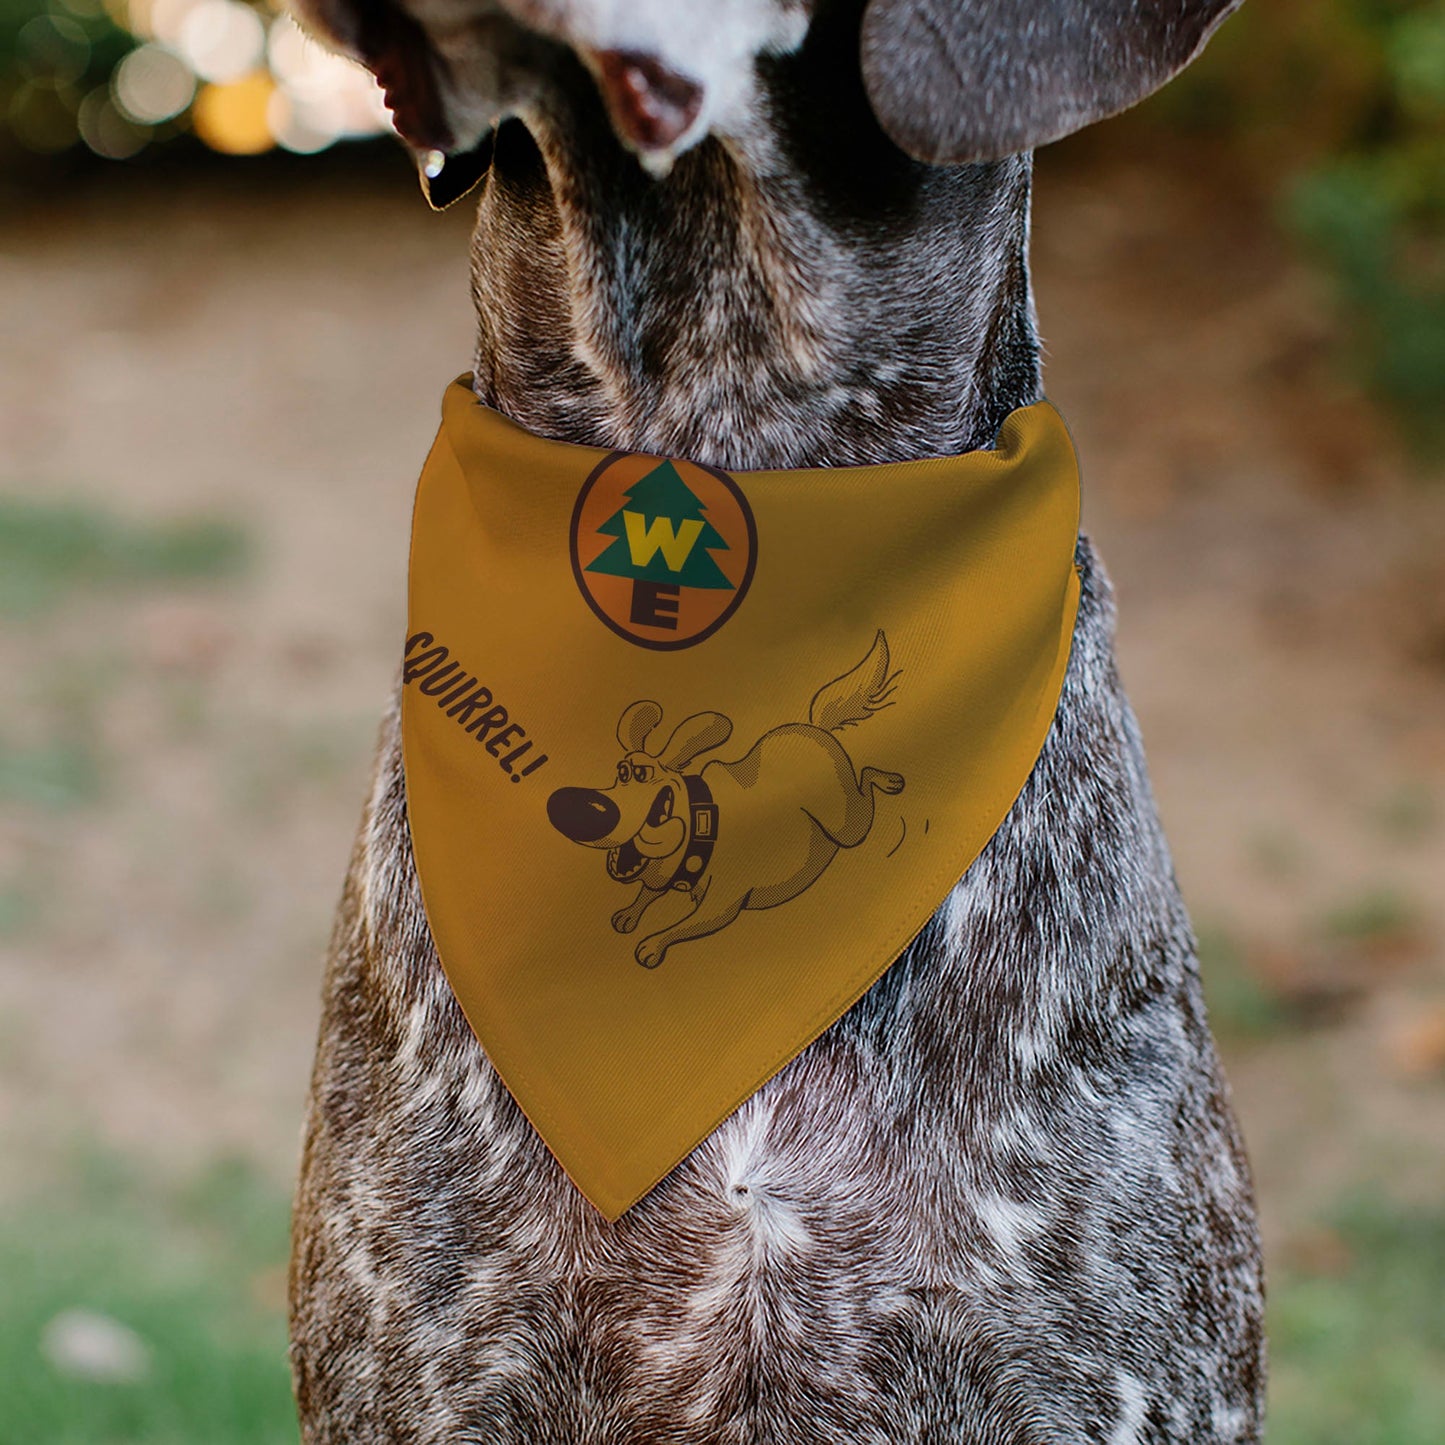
(624,773)
(642,772)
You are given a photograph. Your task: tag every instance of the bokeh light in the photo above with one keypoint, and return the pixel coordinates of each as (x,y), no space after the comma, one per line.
(119,75)
(106,130)
(57,45)
(221,40)
(42,114)
(233,117)
(152,84)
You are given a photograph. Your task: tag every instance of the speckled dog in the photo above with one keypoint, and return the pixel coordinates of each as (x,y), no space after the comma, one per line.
(1002,1200)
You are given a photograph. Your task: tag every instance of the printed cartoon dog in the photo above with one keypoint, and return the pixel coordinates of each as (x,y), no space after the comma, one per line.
(669,830)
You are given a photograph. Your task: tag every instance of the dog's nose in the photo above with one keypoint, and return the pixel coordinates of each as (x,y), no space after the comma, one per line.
(651,106)
(582,814)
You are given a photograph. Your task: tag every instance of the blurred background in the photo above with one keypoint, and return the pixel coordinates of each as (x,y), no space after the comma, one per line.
(227,318)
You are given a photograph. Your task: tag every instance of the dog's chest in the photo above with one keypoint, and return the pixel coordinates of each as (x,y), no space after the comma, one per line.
(1008,1173)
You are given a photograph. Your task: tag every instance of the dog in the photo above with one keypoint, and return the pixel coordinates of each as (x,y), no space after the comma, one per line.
(1003,1199)
(650,843)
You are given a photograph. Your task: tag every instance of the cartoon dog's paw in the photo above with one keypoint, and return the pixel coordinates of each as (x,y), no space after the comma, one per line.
(884,782)
(624,920)
(649,952)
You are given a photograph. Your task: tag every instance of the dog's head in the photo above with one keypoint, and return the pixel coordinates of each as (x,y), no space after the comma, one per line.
(949,80)
(642,817)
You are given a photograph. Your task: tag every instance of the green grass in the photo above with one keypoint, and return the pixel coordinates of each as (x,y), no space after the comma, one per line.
(1378,914)
(1408,814)
(50,549)
(1240,1005)
(194,1275)
(1278,854)
(1358,1355)
(55,776)
(17,909)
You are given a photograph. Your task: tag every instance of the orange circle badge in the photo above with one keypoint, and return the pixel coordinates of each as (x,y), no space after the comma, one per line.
(663,551)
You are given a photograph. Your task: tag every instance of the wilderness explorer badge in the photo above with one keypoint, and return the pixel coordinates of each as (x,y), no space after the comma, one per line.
(663,551)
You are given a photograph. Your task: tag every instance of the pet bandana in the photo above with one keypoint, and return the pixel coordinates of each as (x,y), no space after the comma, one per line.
(691,756)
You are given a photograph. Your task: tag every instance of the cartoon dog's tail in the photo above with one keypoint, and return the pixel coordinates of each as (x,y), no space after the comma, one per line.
(857,695)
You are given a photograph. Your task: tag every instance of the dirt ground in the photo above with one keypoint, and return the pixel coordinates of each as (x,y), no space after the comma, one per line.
(182,763)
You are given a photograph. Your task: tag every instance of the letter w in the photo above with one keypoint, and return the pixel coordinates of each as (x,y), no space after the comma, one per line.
(645,542)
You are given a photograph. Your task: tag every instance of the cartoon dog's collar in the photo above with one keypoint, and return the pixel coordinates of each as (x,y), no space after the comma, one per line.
(701,833)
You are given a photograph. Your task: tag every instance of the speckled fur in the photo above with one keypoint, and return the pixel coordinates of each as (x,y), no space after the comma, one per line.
(1003,1199)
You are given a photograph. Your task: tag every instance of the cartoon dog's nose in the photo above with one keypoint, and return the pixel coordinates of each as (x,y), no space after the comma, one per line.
(582,814)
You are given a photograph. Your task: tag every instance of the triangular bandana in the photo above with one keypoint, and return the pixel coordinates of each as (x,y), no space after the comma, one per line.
(691,757)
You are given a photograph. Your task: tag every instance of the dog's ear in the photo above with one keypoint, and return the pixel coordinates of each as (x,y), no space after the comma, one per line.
(694,735)
(975,80)
(636,723)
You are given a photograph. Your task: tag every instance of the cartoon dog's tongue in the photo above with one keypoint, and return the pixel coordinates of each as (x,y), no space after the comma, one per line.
(659,836)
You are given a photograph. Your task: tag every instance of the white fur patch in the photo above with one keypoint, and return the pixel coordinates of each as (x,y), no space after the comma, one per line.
(1009,1225)
(1132,1404)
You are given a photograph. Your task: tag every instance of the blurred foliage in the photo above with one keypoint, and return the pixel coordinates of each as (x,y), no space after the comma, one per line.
(51,59)
(56,775)
(115,78)
(1241,1005)
(48,549)
(1338,107)
(1378,915)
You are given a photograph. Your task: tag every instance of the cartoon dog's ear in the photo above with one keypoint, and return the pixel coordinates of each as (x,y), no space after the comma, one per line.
(694,735)
(975,80)
(636,723)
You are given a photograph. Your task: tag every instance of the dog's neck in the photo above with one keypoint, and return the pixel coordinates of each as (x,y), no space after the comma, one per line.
(803,297)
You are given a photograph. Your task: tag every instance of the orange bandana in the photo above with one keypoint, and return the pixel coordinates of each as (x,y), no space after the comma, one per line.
(691,757)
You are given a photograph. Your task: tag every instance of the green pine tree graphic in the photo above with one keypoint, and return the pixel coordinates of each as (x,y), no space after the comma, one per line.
(662,535)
